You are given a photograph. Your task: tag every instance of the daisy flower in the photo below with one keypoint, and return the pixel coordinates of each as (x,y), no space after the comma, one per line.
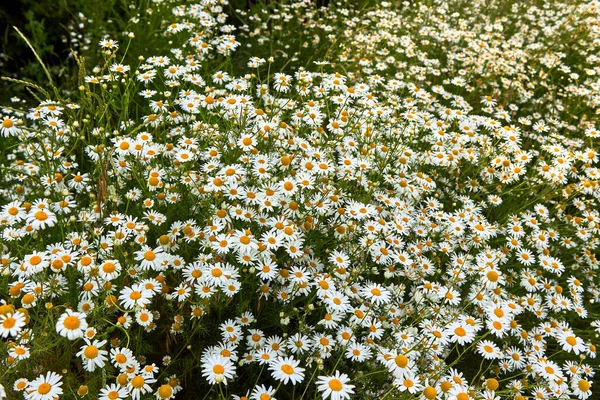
(150,258)
(109,44)
(44,387)
(19,352)
(8,127)
(41,218)
(498,326)
(109,270)
(336,387)
(264,356)
(409,382)
(122,357)
(139,385)
(268,270)
(488,350)
(461,333)
(570,342)
(581,388)
(113,392)
(262,393)
(286,369)
(91,354)
(358,352)
(376,294)
(217,369)
(165,391)
(299,343)
(20,384)
(135,296)
(14,212)
(71,324)
(549,370)
(11,324)
(339,259)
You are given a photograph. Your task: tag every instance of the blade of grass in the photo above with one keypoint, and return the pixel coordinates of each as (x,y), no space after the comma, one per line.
(39,60)
(27,84)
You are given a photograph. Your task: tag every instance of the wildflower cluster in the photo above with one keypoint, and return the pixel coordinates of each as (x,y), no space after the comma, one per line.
(405,206)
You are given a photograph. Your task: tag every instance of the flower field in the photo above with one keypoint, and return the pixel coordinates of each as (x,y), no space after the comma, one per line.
(291,200)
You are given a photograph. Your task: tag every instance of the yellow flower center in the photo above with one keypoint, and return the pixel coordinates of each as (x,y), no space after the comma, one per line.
(165,391)
(218,369)
(135,295)
(335,385)
(149,255)
(583,385)
(401,360)
(71,322)
(91,352)
(137,382)
(430,393)
(35,260)
(492,276)
(44,388)
(287,369)
(109,267)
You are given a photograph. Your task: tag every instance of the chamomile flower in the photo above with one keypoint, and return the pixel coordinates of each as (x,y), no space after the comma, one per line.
(150,258)
(581,388)
(41,218)
(113,392)
(263,393)
(19,352)
(71,325)
(335,387)
(11,324)
(46,387)
(135,296)
(460,332)
(139,385)
(376,294)
(9,126)
(92,355)
(358,352)
(571,342)
(286,369)
(122,358)
(20,384)
(164,392)
(217,369)
(488,350)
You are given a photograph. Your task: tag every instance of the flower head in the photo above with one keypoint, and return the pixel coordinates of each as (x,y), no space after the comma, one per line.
(71,325)
(336,387)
